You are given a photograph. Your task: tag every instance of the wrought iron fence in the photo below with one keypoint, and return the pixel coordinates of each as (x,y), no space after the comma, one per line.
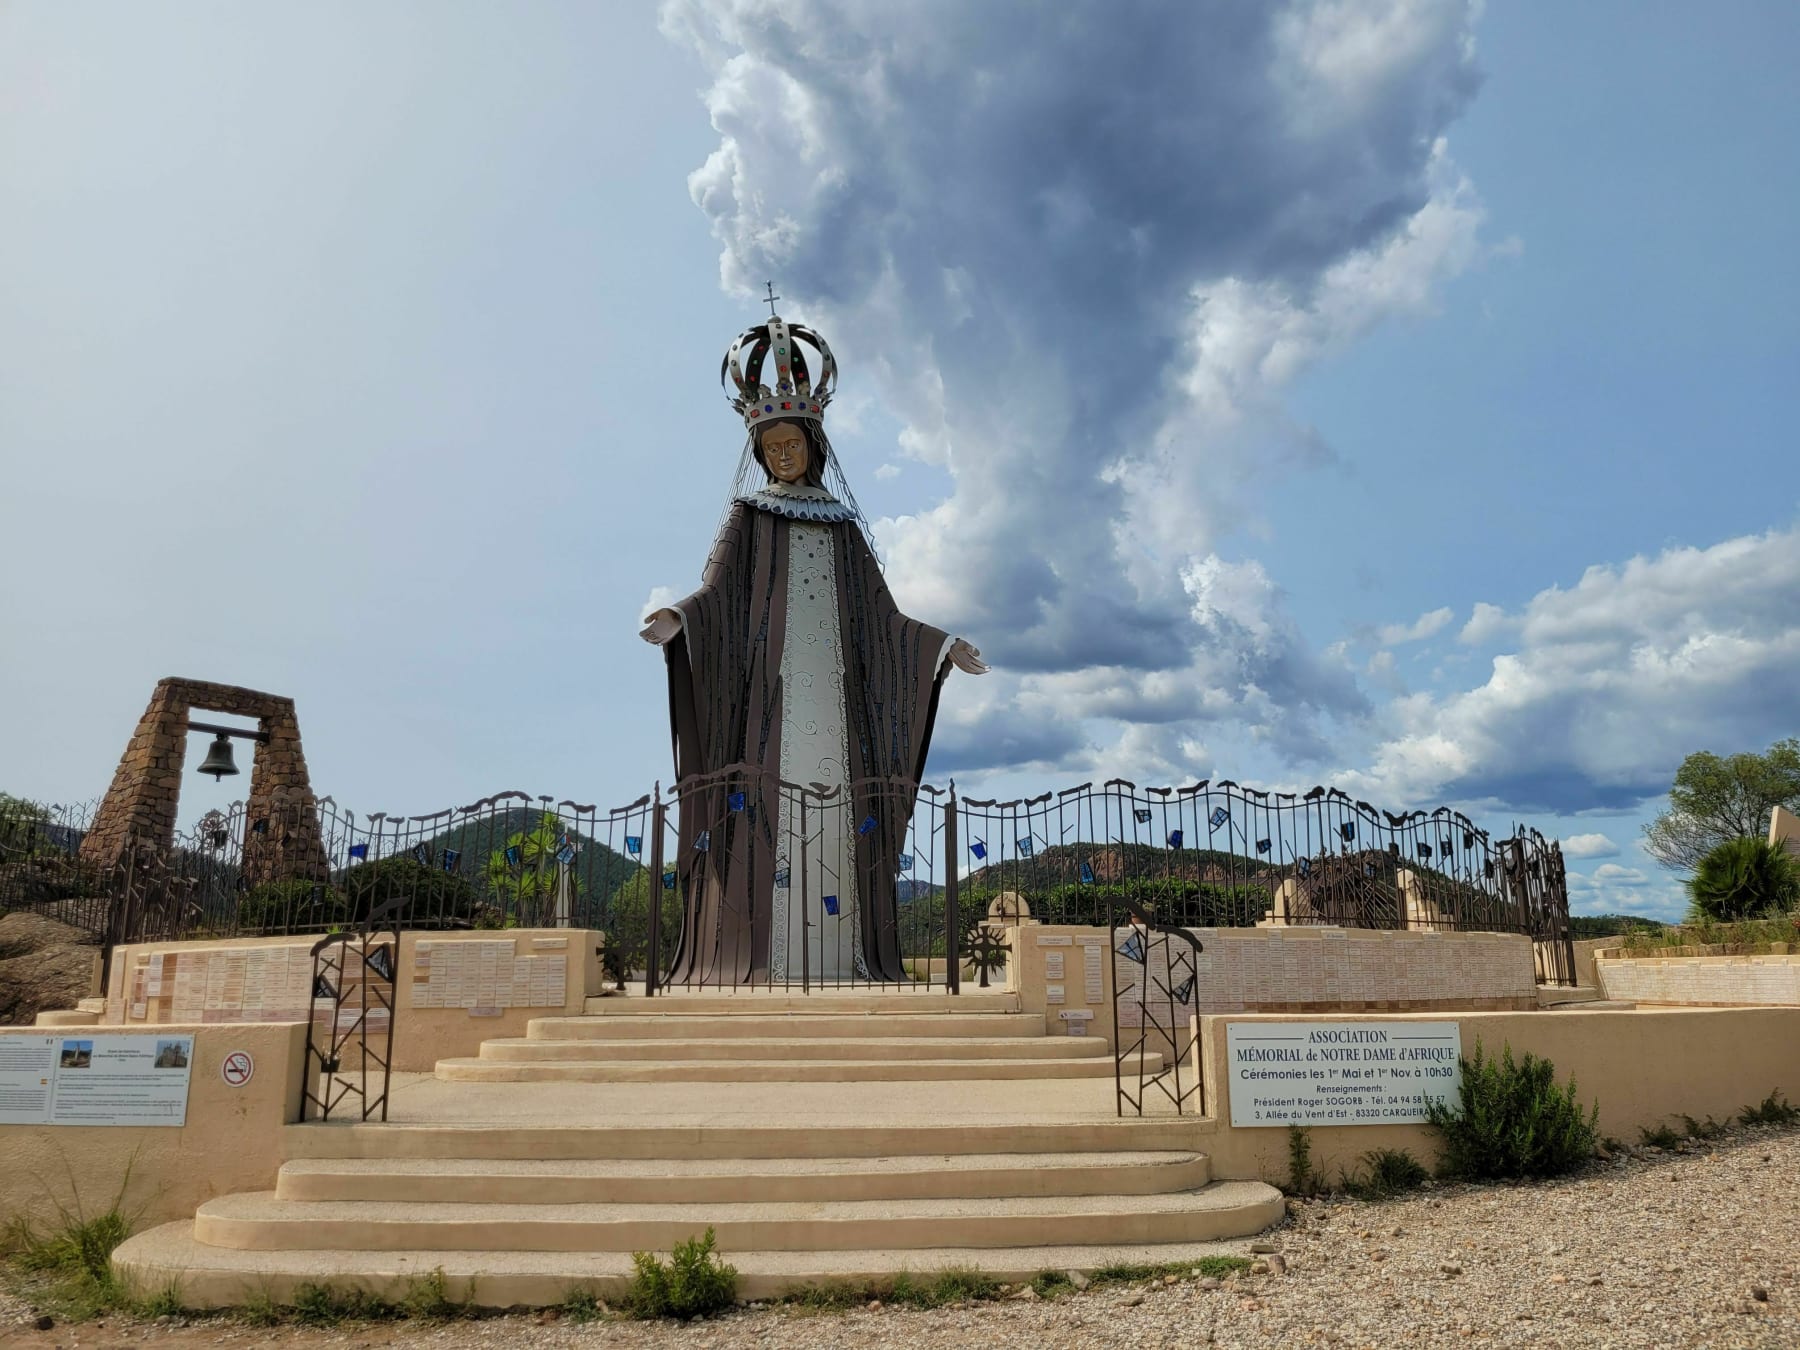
(784,886)
(880,882)
(1155,974)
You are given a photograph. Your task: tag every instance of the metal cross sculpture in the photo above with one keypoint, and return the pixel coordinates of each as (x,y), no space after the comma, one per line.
(769,286)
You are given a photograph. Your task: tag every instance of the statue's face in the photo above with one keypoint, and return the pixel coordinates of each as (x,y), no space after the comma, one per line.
(784,452)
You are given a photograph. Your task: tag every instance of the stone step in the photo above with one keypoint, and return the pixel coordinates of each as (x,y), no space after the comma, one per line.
(517,1050)
(738,1180)
(752,1025)
(670,1070)
(217,1277)
(822,1000)
(260,1221)
(600,1142)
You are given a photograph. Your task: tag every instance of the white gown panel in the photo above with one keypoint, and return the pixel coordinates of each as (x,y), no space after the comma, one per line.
(815,748)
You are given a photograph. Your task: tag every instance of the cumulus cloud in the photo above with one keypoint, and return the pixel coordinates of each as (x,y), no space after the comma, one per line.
(1612,683)
(1613,889)
(1426,625)
(1589,846)
(1081,261)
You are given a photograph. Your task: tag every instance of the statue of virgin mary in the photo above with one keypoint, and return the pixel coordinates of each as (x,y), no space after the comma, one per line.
(801,702)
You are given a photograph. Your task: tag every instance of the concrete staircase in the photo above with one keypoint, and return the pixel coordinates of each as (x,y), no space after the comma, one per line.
(556,1200)
(523,1217)
(800,1038)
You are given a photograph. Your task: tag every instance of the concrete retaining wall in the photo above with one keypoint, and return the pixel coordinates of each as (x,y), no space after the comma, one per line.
(1643,1066)
(232,1141)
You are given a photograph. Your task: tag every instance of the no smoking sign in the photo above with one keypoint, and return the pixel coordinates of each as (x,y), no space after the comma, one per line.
(238,1068)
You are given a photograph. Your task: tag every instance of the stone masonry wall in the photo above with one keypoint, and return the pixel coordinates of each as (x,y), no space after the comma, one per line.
(139,810)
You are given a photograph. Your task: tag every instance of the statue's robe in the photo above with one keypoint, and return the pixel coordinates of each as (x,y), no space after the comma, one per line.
(726,708)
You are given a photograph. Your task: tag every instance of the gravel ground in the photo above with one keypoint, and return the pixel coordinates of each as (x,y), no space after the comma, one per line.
(1700,1247)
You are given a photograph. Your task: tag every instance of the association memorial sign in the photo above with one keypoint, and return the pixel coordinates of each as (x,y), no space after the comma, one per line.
(1339,1073)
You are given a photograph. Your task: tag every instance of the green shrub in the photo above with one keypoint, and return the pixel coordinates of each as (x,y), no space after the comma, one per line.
(1744,878)
(1386,1172)
(431,897)
(284,906)
(1659,1136)
(626,923)
(695,1283)
(1512,1121)
(1774,1109)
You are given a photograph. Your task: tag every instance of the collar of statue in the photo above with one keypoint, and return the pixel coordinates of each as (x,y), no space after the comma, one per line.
(797,501)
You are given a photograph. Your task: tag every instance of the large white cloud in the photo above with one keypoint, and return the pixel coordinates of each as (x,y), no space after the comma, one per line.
(1589,846)
(1081,259)
(1605,687)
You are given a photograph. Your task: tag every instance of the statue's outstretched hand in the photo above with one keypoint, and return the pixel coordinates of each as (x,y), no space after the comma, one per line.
(965,657)
(661,626)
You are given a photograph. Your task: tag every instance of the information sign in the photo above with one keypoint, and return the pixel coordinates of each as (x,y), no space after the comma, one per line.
(76,1078)
(1339,1073)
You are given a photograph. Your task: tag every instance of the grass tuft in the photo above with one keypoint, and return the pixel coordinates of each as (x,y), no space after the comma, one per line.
(1052,1283)
(1385,1173)
(1215,1267)
(165,1302)
(260,1310)
(582,1305)
(428,1299)
(952,1284)
(1705,1129)
(318,1305)
(1774,1109)
(1302,1180)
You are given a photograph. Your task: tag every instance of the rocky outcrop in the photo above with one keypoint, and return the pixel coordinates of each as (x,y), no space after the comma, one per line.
(45,966)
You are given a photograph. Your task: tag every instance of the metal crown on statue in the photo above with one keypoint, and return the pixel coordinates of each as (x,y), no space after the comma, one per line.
(796,394)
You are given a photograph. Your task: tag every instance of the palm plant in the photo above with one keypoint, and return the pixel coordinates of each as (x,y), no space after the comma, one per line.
(1744,878)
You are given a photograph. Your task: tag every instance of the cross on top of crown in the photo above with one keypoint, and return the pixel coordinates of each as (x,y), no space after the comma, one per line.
(772,297)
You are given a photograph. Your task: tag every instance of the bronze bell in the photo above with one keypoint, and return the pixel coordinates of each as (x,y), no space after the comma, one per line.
(218,760)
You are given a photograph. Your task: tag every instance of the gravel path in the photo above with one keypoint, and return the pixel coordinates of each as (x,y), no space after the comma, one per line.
(1695,1248)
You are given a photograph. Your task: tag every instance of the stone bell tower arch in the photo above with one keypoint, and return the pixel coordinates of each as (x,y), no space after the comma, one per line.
(139,810)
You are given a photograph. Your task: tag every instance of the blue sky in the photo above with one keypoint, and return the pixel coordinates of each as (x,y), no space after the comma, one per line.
(1391,395)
